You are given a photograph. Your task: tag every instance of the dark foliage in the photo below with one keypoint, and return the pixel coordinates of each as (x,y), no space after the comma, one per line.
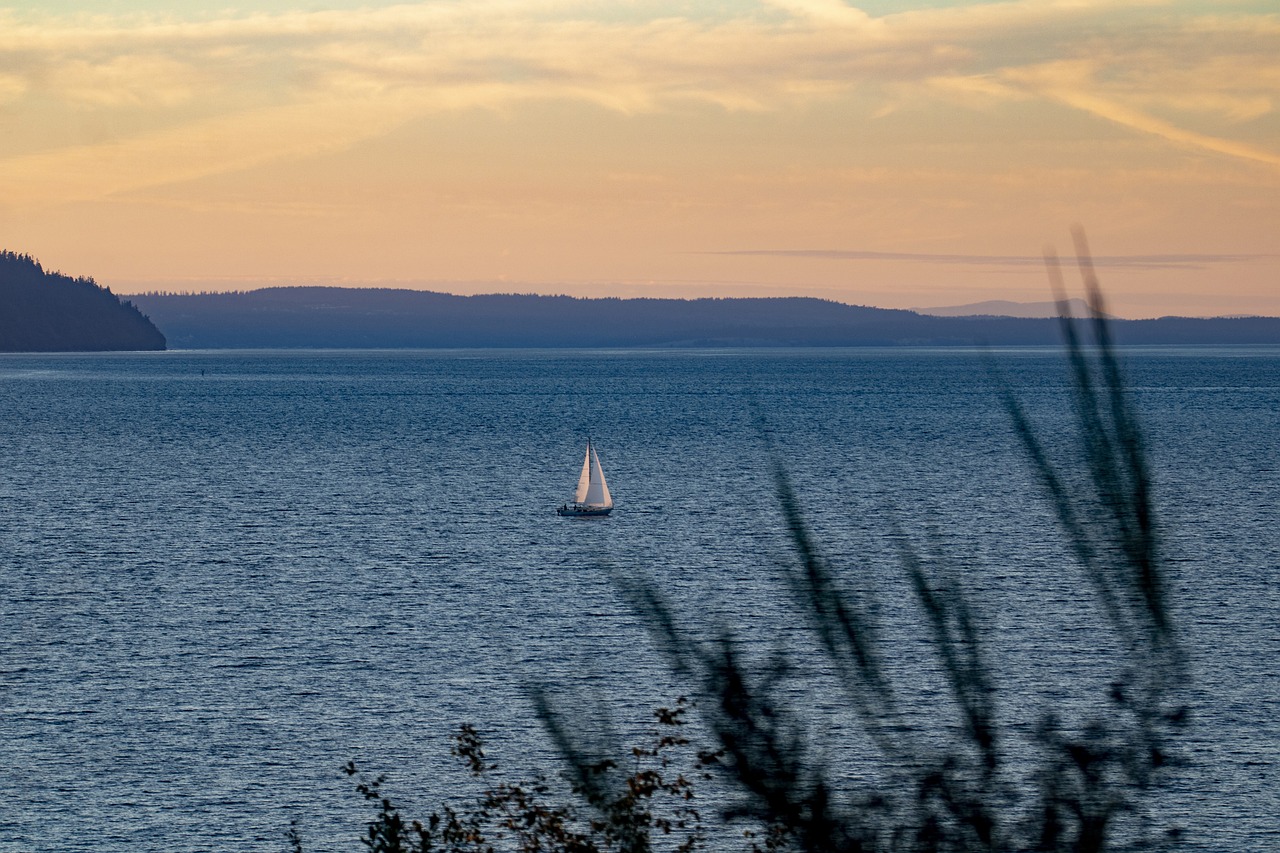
(1095,777)
(614,805)
(44,311)
(1093,784)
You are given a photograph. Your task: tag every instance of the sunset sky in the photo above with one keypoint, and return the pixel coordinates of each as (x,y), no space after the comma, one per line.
(890,154)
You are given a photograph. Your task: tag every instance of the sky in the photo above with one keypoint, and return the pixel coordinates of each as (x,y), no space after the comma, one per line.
(892,154)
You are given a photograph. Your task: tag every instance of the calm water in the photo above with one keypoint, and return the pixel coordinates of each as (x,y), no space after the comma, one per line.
(224,574)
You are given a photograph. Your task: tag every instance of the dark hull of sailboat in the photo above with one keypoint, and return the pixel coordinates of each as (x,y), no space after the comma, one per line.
(584,511)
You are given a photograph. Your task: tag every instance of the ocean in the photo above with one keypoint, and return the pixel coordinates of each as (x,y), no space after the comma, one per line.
(224,574)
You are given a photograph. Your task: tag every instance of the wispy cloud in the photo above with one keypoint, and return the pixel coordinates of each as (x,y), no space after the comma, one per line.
(191,151)
(1134,262)
(1137,120)
(1077,84)
(302,82)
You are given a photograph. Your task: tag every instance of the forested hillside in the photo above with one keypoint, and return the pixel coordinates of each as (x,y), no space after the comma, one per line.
(43,311)
(384,318)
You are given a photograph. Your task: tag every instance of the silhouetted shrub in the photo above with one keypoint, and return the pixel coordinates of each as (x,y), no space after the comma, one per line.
(1094,781)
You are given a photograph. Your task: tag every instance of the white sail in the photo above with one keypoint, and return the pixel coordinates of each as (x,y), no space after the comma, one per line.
(584,480)
(597,488)
(592,497)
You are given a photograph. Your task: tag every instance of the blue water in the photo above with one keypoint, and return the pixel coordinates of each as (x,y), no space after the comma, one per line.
(224,574)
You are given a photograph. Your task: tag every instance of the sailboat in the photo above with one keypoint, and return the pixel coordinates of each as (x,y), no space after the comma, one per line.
(592,495)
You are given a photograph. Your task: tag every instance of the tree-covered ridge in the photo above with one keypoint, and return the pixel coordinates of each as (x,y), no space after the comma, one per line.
(42,311)
(386,318)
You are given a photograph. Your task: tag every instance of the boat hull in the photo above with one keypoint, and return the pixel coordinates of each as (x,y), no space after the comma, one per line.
(584,511)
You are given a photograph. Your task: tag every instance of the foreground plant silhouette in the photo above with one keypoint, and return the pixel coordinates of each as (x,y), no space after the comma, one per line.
(1094,781)
(655,798)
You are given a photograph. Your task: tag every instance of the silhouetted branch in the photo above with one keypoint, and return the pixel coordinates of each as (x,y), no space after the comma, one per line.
(1091,789)
(841,624)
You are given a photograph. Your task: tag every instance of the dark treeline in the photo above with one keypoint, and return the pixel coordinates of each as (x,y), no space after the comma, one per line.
(358,317)
(43,311)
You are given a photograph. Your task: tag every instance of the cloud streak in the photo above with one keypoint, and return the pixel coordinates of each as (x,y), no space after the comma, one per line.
(1132,262)
(192,151)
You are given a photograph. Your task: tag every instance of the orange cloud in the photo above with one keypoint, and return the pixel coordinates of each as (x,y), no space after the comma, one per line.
(225,93)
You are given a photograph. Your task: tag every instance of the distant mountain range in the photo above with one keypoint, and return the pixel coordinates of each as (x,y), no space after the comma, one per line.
(336,317)
(46,311)
(1002,308)
(43,311)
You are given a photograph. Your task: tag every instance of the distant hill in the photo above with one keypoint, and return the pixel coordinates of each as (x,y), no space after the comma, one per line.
(44,311)
(1003,308)
(335,317)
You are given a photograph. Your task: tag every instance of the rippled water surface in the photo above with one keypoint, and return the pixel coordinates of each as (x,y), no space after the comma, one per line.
(224,574)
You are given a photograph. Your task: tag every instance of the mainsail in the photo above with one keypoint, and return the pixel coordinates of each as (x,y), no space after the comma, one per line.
(592,489)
